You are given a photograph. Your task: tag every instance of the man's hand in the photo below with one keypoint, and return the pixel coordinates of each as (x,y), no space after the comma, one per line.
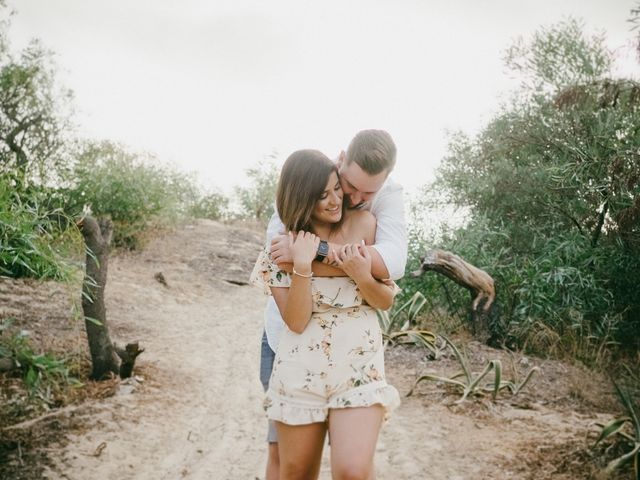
(355,260)
(281,249)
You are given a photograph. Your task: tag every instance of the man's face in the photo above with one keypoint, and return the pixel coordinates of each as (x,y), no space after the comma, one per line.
(358,186)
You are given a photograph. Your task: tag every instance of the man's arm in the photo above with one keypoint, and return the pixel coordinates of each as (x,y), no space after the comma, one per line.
(275,227)
(391,229)
(319,269)
(329,267)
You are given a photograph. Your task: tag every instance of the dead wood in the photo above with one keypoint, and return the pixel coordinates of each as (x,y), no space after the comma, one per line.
(159,276)
(70,410)
(128,356)
(7,364)
(477,281)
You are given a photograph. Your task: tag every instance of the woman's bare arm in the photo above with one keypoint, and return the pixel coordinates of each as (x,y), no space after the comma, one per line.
(295,302)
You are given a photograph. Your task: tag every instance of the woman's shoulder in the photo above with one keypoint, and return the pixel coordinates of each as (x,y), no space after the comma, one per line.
(360,224)
(361,217)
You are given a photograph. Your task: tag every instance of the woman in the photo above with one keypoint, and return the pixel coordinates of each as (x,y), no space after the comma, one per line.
(329,369)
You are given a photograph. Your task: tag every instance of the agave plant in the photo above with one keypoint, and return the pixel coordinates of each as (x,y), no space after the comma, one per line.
(615,427)
(411,308)
(470,385)
(396,331)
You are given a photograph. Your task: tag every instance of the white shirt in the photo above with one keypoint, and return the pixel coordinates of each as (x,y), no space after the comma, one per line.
(391,243)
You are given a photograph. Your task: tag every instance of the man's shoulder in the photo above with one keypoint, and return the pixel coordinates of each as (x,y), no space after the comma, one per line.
(391,186)
(390,194)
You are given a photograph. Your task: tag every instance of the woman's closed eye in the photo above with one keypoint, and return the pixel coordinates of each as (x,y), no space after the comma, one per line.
(325,194)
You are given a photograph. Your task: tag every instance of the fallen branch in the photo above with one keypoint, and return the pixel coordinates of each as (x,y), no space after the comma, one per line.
(56,413)
(477,281)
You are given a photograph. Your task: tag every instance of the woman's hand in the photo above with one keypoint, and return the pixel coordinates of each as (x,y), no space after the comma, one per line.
(303,250)
(355,260)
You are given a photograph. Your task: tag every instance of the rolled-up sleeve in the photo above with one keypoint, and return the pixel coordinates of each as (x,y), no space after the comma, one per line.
(274,228)
(391,230)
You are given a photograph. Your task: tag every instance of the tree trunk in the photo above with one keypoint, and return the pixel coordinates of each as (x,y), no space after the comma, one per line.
(97,238)
(478,282)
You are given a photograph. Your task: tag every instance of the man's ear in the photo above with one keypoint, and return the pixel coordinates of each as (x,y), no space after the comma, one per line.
(341,158)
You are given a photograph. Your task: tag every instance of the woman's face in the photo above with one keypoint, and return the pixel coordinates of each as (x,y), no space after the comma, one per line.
(328,208)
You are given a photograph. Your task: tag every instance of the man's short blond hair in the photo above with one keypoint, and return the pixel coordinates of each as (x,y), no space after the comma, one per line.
(373,151)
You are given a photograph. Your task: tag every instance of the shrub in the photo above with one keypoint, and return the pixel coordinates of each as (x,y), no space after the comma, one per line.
(134,190)
(43,374)
(213,206)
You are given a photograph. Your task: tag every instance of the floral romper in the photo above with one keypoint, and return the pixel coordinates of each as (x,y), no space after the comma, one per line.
(337,362)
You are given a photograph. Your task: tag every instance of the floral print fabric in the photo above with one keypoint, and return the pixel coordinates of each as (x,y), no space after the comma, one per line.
(337,362)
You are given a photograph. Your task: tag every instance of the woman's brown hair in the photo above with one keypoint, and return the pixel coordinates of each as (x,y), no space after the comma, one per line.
(303,178)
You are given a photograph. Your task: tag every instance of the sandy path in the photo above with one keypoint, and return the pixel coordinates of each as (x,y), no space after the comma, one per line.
(197,414)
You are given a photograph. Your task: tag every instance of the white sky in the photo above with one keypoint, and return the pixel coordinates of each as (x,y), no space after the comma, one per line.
(214,86)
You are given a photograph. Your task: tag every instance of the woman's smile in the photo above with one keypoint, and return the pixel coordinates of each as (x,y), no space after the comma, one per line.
(329,206)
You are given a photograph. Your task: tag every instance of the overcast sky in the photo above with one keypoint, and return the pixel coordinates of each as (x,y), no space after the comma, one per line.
(214,86)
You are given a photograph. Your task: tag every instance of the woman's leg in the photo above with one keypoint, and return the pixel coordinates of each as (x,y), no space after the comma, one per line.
(300,450)
(354,434)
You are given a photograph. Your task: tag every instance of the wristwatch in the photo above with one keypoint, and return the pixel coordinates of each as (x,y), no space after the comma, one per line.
(323,251)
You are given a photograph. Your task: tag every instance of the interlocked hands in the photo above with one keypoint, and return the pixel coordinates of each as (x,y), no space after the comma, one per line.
(355,261)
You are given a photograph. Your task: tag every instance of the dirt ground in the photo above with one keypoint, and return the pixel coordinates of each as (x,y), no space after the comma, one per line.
(193,409)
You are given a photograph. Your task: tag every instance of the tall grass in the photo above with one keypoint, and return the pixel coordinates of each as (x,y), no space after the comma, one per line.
(29,236)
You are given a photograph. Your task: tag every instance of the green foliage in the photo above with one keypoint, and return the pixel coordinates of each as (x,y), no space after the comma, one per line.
(559,56)
(551,189)
(395,330)
(43,374)
(28,234)
(258,199)
(470,384)
(631,440)
(135,192)
(34,116)
(34,125)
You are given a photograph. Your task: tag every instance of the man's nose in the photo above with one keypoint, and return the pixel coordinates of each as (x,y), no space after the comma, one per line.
(355,198)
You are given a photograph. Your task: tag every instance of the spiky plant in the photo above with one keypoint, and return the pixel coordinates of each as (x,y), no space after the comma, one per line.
(396,331)
(616,427)
(470,384)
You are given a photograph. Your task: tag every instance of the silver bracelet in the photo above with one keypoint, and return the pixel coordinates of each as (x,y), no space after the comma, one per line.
(301,275)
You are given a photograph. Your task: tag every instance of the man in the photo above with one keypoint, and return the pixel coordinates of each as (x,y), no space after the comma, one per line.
(364,176)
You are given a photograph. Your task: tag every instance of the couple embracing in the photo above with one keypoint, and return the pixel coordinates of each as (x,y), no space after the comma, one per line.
(334,247)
